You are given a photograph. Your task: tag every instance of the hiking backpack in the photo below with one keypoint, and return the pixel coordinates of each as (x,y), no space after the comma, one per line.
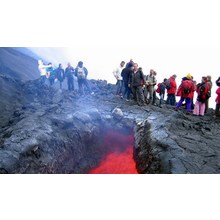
(187,86)
(168,85)
(158,88)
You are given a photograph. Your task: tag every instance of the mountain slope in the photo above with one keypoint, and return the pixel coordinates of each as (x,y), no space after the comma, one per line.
(15,62)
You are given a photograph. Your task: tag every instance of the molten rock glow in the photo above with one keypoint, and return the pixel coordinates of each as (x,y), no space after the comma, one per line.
(120,157)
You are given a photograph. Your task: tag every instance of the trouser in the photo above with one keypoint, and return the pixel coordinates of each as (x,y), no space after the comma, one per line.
(70,84)
(171,99)
(154,97)
(148,93)
(206,105)
(138,94)
(192,104)
(199,108)
(217,109)
(51,81)
(127,91)
(61,85)
(188,103)
(161,98)
(84,82)
(119,87)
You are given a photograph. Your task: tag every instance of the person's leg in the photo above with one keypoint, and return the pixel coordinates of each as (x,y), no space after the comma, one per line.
(192,104)
(128,93)
(161,98)
(140,95)
(180,102)
(68,84)
(217,110)
(151,91)
(196,108)
(125,90)
(154,97)
(188,104)
(202,109)
(172,99)
(168,99)
(146,93)
(117,88)
(80,86)
(206,105)
(120,88)
(133,89)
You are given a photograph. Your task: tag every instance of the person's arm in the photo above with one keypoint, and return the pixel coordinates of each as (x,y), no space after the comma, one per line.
(46,66)
(154,81)
(142,78)
(115,73)
(86,72)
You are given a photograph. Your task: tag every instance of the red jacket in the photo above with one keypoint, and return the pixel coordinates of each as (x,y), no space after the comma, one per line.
(202,90)
(182,94)
(172,90)
(218,97)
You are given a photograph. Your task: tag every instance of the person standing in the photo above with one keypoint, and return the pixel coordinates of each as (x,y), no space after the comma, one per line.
(161,90)
(186,91)
(117,75)
(202,90)
(217,100)
(149,88)
(51,74)
(43,71)
(126,75)
(209,82)
(171,90)
(69,72)
(60,75)
(136,80)
(81,73)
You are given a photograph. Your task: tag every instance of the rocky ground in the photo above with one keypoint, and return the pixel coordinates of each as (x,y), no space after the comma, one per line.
(47,130)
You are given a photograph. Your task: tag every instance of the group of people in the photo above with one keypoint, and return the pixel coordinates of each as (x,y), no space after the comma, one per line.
(133,80)
(59,74)
(143,89)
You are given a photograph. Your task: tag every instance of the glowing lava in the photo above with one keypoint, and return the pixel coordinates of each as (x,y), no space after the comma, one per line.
(120,157)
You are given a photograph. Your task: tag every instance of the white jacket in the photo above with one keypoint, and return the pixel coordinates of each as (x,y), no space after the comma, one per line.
(117,73)
(42,69)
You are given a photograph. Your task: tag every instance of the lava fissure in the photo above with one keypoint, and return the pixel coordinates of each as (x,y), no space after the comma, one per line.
(119,159)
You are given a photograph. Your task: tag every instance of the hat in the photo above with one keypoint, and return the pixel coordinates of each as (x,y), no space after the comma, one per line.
(188,76)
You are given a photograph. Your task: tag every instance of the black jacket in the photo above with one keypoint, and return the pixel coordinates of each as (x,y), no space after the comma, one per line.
(126,75)
(69,72)
(137,79)
(60,75)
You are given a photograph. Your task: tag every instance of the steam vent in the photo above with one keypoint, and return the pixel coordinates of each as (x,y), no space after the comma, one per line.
(47,130)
